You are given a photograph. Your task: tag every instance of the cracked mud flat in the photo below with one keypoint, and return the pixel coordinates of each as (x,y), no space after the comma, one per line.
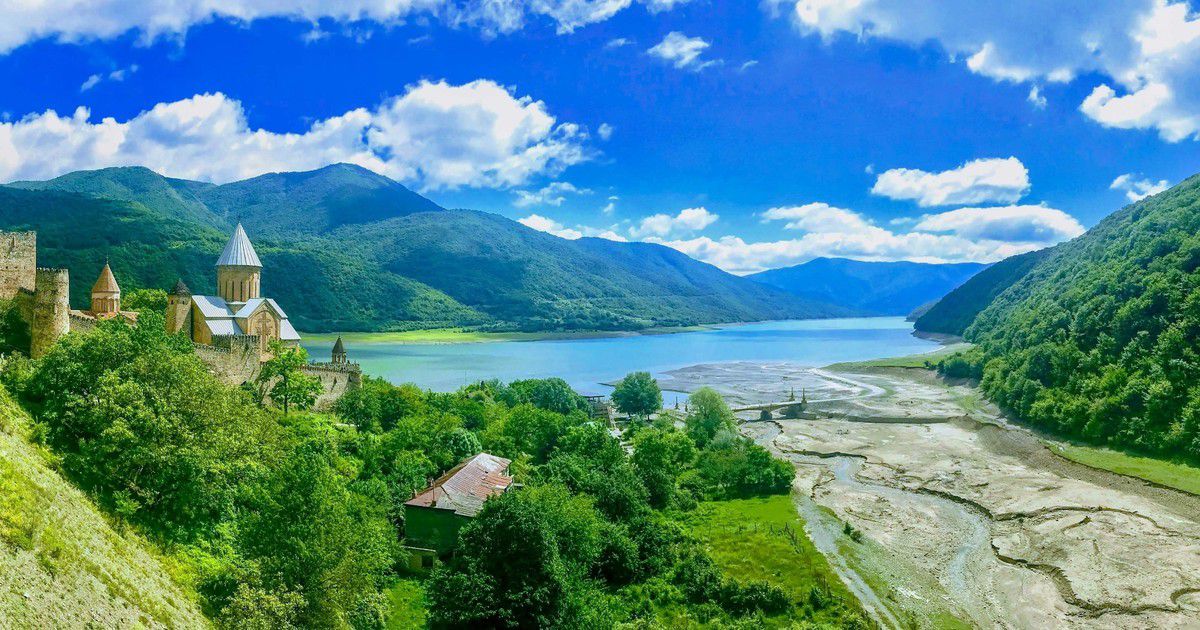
(965,516)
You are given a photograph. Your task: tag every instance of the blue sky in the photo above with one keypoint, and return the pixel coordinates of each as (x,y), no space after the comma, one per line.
(749,135)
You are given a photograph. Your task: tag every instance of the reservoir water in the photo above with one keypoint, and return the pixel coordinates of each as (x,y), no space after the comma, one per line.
(587,363)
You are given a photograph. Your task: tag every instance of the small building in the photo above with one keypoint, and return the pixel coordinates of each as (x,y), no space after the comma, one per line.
(433,517)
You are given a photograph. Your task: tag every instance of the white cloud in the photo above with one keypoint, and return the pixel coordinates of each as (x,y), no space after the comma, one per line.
(746,65)
(683,52)
(435,135)
(116,75)
(617,42)
(605,131)
(1036,97)
(611,206)
(1138,189)
(978,181)
(550,226)
(552,194)
(688,220)
(82,20)
(1009,224)
(962,235)
(818,217)
(1147,49)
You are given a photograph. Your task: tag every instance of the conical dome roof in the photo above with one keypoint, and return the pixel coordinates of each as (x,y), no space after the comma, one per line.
(239,252)
(106,283)
(338,348)
(180,288)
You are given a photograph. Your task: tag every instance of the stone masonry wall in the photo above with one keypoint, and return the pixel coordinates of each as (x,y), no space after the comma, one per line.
(18,263)
(336,379)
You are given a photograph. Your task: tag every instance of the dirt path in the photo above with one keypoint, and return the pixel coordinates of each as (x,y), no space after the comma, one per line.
(965,518)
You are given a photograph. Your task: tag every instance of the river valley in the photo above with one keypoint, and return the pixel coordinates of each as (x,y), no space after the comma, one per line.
(963,518)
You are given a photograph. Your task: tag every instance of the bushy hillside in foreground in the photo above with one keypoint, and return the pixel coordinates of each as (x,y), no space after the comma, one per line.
(61,563)
(879,288)
(952,314)
(1099,339)
(348,249)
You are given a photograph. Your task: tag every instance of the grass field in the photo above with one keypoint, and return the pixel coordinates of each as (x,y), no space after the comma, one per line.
(909,361)
(406,599)
(763,539)
(458,335)
(1178,476)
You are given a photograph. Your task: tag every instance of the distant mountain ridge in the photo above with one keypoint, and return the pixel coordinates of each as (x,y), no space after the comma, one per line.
(345,248)
(952,314)
(878,288)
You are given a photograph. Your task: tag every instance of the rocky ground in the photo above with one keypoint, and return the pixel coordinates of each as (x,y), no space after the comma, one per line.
(965,518)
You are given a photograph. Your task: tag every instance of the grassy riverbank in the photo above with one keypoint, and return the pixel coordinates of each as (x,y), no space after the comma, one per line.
(461,335)
(1165,473)
(763,539)
(908,361)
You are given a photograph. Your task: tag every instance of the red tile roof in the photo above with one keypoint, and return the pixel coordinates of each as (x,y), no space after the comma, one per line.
(466,486)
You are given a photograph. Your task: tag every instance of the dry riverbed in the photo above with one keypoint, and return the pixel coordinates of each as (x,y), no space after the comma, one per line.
(966,519)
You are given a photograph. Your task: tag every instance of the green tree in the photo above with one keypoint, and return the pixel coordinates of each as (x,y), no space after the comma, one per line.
(659,456)
(283,378)
(708,417)
(144,300)
(637,395)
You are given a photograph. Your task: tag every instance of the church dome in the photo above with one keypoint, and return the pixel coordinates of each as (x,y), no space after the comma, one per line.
(239,252)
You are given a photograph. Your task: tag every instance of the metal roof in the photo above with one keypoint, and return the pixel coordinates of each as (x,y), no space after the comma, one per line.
(223,327)
(287,332)
(252,304)
(212,306)
(466,486)
(239,252)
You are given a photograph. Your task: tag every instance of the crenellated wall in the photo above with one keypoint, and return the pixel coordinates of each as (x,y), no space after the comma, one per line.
(51,309)
(336,379)
(18,263)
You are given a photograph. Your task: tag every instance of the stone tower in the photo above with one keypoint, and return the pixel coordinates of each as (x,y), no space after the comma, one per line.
(179,309)
(18,263)
(238,269)
(51,310)
(106,293)
(339,352)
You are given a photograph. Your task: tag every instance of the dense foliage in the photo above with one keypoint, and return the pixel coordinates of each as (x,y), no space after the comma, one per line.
(637,394)
(879,288)
(1098,341)
(347,249)
(952,314)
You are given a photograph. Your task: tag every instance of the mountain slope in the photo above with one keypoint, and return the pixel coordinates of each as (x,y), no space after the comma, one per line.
(883,288)
(61,564)
(347,249)
(952,314)
(1099,339)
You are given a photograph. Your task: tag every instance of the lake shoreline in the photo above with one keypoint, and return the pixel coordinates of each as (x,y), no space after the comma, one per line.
(435,336)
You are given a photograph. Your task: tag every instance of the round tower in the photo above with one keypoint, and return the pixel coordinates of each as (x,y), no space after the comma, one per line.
(179,309)
(51,310)
(339,352)
(239,271)
(106,293)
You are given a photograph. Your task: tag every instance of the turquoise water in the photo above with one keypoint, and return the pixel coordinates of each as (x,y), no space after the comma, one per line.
(586,363)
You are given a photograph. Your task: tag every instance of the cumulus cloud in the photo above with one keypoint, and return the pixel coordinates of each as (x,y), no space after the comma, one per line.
(1138,189)
(1009,224)
(683,52)
(550,226)
(688,220)
(978,181)
(1147,49)
(1036,97)
(82,20)
(435,135)
(552,194)
(962,235)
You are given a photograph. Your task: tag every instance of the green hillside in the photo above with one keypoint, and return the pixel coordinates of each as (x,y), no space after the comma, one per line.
(61,563)
(952,314)
(347,249)
(1099,339)
(878,288)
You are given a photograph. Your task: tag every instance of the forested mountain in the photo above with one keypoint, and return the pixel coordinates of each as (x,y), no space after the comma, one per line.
(347,249)
(1098,340)
(879,288)
(953,313)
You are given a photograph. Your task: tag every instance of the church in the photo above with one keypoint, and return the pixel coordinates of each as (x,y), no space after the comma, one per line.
(238,312)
